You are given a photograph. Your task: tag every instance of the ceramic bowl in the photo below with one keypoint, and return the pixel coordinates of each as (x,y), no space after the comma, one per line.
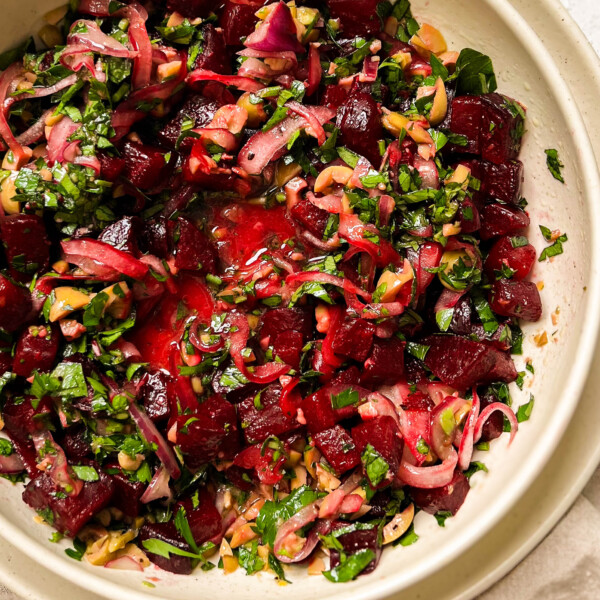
(570,294)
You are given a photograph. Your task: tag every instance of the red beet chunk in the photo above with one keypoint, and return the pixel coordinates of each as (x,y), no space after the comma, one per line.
(36,349)
(210,432)
(448,498)
(145,166)
(498,219)
(503,181)
(276,321)
(26,245)
(360,122)
(382,434)
(334,96)
(204,519)
(310,217)
(466,119)
(462,363)
(6,361)
(154,238)
(357,17)
(238,19)
(318,412)
(288,347)
(354,339)
(469,217)
(155,391)
(75,444)
(338,448)
(70,513)
(21,418)
(259,423)
(214,55)
(124,234)
(166,532)
(193,8)
(386,362)
(353,541)
(494,426)
(193,250)
(244,479)
(520,260)
(197,108)
(418,401)
(428,256)
(110,166)
(519,299)
(127,494)
(502,128)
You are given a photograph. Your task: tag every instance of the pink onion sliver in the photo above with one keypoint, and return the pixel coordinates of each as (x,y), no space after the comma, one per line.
(36,131)
(89,161)
(330,506)
(319,277)
(152,435)
(304,517)
(306,112)
(315,71)
(124,563)
(241,83)
(379,406)
(448,299)
(428,172)
(487,412)
(331,244)
(58,139)
(429,477)
(331,203)
(441,442)
(158,487)
(11,464)
(351,504)
(95,40)
(7,78)
(465,450)
(352,482)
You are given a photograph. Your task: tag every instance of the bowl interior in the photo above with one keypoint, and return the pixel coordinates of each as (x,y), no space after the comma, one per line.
(570,321)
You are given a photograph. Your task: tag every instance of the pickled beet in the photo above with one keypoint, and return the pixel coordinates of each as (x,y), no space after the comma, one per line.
(354,339)
(214,55)
(155,391)
(166,532)
(202,515)
(238,19)
(334,96)
(36,349)
(26,416)
(193,250)
(502,127)
(353,541)
(155,238)
(123,234)
(520,259)
(337,447)
(466,115)
(127,494)
(26,245)
(318,411)
(145,166)
(357,17)
(110,166)
(75,444)
(469,217)
(447,498)
(498,219)
(311,217)
(502,181)
(277,320)
(385,363)
(519,299)
(427,257)
(287,346)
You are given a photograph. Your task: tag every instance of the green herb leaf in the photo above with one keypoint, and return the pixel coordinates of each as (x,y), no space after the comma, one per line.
(441,516)
(475,73)
(554,165)
(351,567)
(346,398)
(525,410)
(86,473)
(375,466)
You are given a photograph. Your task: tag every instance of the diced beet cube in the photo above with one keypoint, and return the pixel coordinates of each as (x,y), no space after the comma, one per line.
(353,541)
(519,299)
(259,423)
(360,123)
(70,513)
(287,346)
(166,532)
(448,498)
(204,519)
(386,362)
(36,349)
(466,120)
(334,96)
(214,55)
(278,320)
(208,433)
(110,166)
(503,125)
(502,181)
(127,494)
(469,217)
(124,234)
(145,166)
(382,434)
(193,8)
(418,401)
(238,19)
(6,360)
(241,478)
(494,426)
(520,259)
(75,444)
(462,363)
(311,217)
(197,108)
(155,390)
(354,339)
(25,416)
(263,462)
(338,448)
(155,238)
(193,250)
(498,219)
(318,411)
(357,17)
(428,257)
(26,245)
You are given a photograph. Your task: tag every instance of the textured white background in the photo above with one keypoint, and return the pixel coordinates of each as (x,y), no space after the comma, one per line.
(566,565)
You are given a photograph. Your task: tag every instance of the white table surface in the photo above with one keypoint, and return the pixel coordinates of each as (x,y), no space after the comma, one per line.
(566,565)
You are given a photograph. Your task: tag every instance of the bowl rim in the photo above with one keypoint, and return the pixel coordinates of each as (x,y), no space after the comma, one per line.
(572,390)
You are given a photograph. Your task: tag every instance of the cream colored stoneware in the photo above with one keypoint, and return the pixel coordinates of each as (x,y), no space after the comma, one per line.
(526,71)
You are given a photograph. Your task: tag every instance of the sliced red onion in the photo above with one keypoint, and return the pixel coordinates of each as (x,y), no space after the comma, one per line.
(386,208)
(423,232)
(59,471)
(448,300)
(41,92)
(331,244)
(277,33)
(306,112)
(128,350)
(91,162)
(158,488)
(95,40)
(8,77)
(304,517)
(319,277)
(11,464)
(370,67)
(36,131)
(373,311)
(428,477)
(440,440)
(314,69)
(465,449)
(58,140)
(428,172)
(97,8)
(437,391)
(487,412)
(379,406)
(352,503)
(330,505)
(331,203)
(153,436)
(241,83)
(397,393)
(415,425)
(124,563)
(138,37)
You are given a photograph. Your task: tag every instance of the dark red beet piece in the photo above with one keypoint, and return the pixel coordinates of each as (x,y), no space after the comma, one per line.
(193,8)
(74,443)
(193,250)
(127,494)
(204,519)
(519,299)
(353,541)
(520,259)
(210,432)
(465,120)
(36,349)
(418,401)
(502,128)
(354,339)
(155,391)
(428,256)
(337,447)
(22,419)
(277,320)
(166,532)
(502,181)
(244,479)
(70,513)
(110,166)
(287,346)
(334,96)
(318,412)
(360,123)
(259,423)
(462,363)
(386,362)
(469,217)
(357,17)
(310,216)
(124,234)
(448,498)
(494,426)
(6,361)
(238,19)
(214,55)
(26,245)
(498,219)
(155,238)
(145,166)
